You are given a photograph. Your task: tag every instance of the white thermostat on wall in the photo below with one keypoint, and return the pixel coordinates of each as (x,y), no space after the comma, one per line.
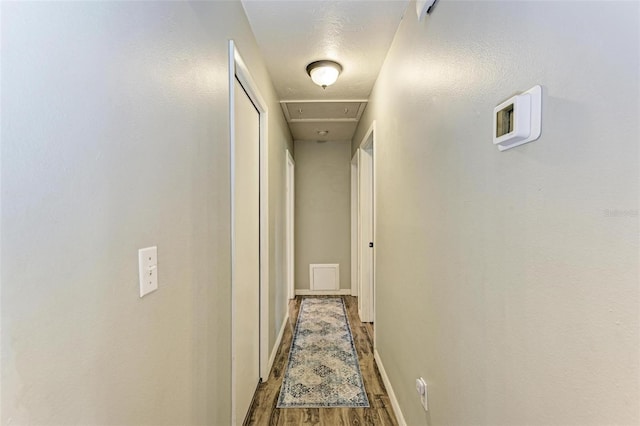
(517,120)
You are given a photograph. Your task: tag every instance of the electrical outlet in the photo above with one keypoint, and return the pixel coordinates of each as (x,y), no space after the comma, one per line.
(148,270)
(421,388)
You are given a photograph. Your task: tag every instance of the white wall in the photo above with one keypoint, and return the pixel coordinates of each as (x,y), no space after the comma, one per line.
(322,217)
(509,281)
(115,136)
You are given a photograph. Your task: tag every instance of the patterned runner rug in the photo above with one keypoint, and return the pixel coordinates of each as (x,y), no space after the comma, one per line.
(323,369)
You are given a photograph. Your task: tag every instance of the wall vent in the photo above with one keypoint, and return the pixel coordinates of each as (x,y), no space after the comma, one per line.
(324,276)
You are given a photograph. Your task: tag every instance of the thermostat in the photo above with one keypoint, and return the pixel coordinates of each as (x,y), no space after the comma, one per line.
(423,7)
(517,120)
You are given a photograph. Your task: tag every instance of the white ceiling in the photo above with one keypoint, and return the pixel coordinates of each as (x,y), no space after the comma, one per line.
(355,33)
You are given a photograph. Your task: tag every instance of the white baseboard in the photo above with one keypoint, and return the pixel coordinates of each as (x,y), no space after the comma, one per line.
(341,292)
(276,345)
(392,395)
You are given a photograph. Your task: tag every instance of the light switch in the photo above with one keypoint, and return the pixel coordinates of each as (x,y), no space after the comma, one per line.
(421,388)
(148,269)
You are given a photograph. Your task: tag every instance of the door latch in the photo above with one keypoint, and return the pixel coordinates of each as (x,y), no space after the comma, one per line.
(371,244)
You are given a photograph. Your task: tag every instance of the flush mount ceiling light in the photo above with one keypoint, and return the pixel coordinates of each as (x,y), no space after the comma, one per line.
(324,73)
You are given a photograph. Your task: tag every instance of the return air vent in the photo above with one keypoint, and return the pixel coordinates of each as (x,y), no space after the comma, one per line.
(324,277)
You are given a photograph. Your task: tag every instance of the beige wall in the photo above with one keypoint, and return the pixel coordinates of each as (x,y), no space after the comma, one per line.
(279,142)
(115,136)
(323,187)
(509,280)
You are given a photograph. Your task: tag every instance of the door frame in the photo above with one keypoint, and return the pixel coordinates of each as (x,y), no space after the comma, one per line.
(368,142)
(290,223)
(238,69)
(355,238)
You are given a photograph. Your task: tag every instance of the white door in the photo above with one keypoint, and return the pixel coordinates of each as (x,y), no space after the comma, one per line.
(365,192)
(245,252)
(290,225)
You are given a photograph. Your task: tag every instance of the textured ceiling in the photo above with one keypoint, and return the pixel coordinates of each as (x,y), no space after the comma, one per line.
(355,33)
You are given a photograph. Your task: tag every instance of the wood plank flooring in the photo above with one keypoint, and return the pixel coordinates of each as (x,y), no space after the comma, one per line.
(263,410)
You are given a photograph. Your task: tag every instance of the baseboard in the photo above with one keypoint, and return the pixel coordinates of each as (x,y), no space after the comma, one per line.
(276,346)
(392,395)
(341,292)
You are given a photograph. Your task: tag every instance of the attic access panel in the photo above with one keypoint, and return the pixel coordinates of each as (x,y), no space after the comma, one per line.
(323,110)
(308,131)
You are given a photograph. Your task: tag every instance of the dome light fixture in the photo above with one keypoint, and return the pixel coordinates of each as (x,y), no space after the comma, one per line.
(324,73)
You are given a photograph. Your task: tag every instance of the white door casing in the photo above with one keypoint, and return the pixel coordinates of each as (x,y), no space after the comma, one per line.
(248,91)
(366,227)
(290,225)
(354,226)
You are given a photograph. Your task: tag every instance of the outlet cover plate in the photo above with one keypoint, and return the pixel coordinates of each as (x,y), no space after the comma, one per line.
(148,270)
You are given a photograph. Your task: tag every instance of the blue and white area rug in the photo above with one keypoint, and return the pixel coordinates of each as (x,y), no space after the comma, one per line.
(323,369)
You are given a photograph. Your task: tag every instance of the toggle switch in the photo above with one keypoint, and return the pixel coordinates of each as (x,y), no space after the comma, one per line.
(148,270)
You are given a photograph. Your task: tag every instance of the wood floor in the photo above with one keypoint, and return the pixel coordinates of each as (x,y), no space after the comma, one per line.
(263,410)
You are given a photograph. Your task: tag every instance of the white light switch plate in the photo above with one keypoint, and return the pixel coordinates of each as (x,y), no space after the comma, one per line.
(421,388)
(148,269)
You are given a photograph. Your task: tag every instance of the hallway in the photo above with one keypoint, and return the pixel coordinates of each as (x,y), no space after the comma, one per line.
(504,282)
(380,413)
